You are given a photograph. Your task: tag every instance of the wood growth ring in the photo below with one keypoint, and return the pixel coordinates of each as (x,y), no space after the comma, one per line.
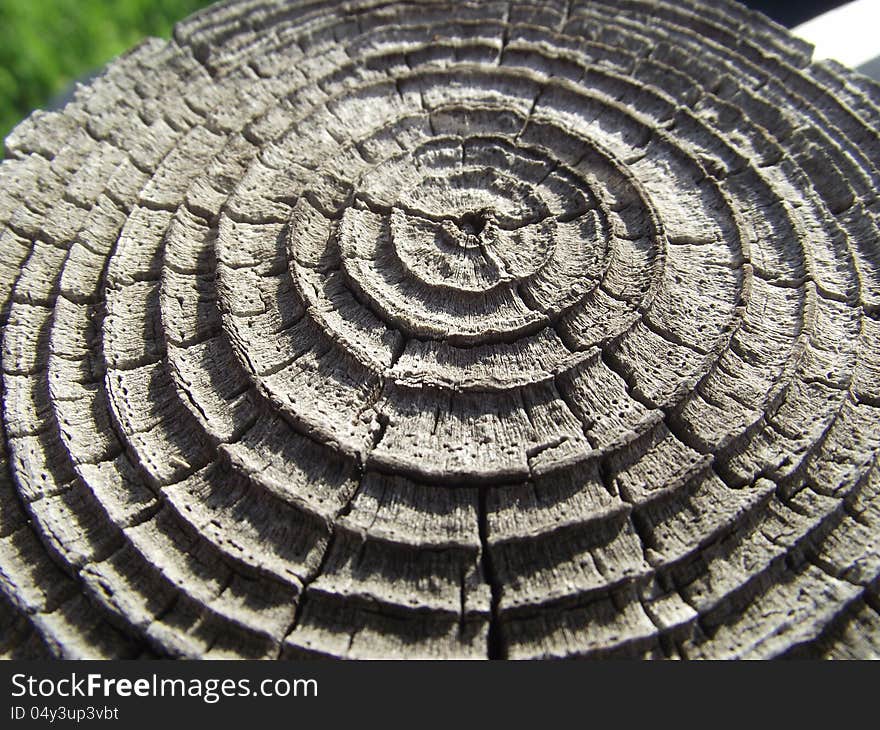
(396,329)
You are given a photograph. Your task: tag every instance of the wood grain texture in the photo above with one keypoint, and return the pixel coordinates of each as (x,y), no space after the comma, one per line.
(430,329)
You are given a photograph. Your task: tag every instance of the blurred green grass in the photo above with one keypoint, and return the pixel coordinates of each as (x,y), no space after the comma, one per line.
(46,45)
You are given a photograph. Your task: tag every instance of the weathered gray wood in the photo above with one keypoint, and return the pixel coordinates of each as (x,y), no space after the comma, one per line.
(475,329)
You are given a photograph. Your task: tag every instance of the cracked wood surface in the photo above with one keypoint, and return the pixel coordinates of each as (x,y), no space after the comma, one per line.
(428,329)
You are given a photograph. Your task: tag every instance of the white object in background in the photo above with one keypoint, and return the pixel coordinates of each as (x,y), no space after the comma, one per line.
(849,34)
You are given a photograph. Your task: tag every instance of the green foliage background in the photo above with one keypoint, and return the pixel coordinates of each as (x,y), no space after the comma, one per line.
(46,45)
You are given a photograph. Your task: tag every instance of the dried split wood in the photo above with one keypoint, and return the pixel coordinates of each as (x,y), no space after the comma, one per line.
(379,329)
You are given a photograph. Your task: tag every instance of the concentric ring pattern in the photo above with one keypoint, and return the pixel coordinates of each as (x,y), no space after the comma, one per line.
(378,329)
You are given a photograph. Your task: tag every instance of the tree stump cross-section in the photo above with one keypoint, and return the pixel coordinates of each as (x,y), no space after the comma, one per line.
(432,329)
